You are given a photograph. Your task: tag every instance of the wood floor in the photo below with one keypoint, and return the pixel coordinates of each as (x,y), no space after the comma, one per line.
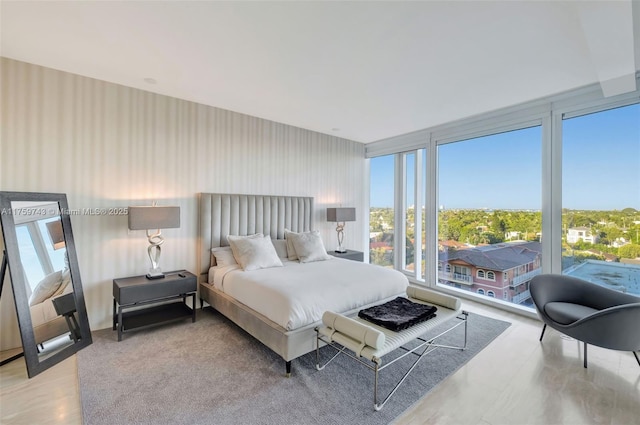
(515,380)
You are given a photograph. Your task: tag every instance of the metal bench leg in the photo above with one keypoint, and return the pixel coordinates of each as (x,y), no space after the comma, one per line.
(585,355)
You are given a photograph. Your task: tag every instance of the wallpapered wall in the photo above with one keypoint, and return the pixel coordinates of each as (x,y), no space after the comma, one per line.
(107,146)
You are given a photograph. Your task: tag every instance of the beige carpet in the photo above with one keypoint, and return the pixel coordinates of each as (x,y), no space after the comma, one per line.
(212,372)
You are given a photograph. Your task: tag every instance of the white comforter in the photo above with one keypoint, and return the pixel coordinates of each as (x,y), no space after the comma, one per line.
(297,294)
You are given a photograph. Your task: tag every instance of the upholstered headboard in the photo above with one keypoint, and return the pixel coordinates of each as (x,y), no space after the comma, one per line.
(222,214)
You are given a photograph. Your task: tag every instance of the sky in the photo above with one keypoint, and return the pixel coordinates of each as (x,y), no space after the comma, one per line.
(601,167)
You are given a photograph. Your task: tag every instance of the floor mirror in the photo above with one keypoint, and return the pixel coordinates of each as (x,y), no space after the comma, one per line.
(41,260)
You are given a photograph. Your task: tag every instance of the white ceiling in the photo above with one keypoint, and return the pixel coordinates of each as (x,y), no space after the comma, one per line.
(359,70)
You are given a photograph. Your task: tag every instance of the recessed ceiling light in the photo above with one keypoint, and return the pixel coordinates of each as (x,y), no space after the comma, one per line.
(335,129)
(150,80)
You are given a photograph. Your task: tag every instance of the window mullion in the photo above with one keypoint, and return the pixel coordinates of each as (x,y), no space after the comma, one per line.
(399,208)
(417,215)
(552,262)
(431,219)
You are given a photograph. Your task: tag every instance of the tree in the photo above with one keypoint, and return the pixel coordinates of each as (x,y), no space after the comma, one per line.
(410,251)
(629,251)
(498,225)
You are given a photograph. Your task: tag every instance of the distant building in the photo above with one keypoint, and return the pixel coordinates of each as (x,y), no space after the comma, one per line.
(513,235)
(380,245)
(442,245)
(576,234)
(620,277)
(500,271)
(619,242)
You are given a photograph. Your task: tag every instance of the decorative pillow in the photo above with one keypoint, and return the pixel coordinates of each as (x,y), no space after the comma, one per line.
(46,288)
(291,251)
(65,280)
(224,256)
(309,247)
(281,247)
(254,252)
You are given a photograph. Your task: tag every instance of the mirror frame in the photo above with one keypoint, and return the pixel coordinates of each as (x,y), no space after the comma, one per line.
(18,283)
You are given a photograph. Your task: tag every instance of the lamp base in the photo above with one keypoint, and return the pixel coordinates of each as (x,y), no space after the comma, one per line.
(340,250)
(154,274)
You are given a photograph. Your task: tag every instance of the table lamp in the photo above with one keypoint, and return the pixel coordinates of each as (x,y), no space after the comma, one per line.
(149,218)
(340,216)
(56,234)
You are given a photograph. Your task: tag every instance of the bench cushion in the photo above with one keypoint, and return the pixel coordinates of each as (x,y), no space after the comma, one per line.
(567,313)
(398,314)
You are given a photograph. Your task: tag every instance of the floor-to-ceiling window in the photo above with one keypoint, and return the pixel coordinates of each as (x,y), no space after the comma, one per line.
(381,211)
(39,254)
(601,197)
(547,187)
(489,219)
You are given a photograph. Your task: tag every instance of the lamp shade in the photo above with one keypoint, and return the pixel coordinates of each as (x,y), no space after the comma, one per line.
(147,217)
(55,233)
(341,214)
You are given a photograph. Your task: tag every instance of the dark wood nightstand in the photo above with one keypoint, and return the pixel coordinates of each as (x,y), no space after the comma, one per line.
(65,306)
(162,301)
(349,255)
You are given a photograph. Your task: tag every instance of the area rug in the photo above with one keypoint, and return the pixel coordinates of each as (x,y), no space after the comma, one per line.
(212,372)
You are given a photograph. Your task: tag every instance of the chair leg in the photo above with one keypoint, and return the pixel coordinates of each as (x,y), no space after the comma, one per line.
(543,329)
(636,356)
(585,355)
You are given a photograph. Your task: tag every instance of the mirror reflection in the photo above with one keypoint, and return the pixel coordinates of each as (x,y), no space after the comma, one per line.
(47,277)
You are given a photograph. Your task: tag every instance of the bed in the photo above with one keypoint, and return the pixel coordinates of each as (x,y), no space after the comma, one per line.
(346,286)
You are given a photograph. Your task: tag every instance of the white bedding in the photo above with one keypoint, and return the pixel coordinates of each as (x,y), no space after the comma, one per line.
(297,294)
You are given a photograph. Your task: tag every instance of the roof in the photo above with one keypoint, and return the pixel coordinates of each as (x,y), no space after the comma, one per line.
(498,257)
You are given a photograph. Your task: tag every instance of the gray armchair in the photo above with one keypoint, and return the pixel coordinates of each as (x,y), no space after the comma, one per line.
(587,312)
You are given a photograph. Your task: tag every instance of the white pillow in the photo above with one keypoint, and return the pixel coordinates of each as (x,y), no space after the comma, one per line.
(65,280)
(254,252)
(281,247)
(224,256)
(291,251)
(46,288)
(309,246)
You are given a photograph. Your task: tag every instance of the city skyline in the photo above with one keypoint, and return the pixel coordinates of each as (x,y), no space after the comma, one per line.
(593,178)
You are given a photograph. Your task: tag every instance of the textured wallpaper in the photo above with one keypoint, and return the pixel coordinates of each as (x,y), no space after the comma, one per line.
(108,146)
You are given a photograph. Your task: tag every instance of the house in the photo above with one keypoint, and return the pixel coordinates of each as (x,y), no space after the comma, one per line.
(121,104)
(449,244)
(584,234)
(501,271)
(618,242)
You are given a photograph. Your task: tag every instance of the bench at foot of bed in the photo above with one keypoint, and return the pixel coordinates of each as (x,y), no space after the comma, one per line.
(368,343)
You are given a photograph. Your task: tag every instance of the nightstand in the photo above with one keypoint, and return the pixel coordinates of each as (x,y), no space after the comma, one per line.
(349,255)
(65,306)
(155,301)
